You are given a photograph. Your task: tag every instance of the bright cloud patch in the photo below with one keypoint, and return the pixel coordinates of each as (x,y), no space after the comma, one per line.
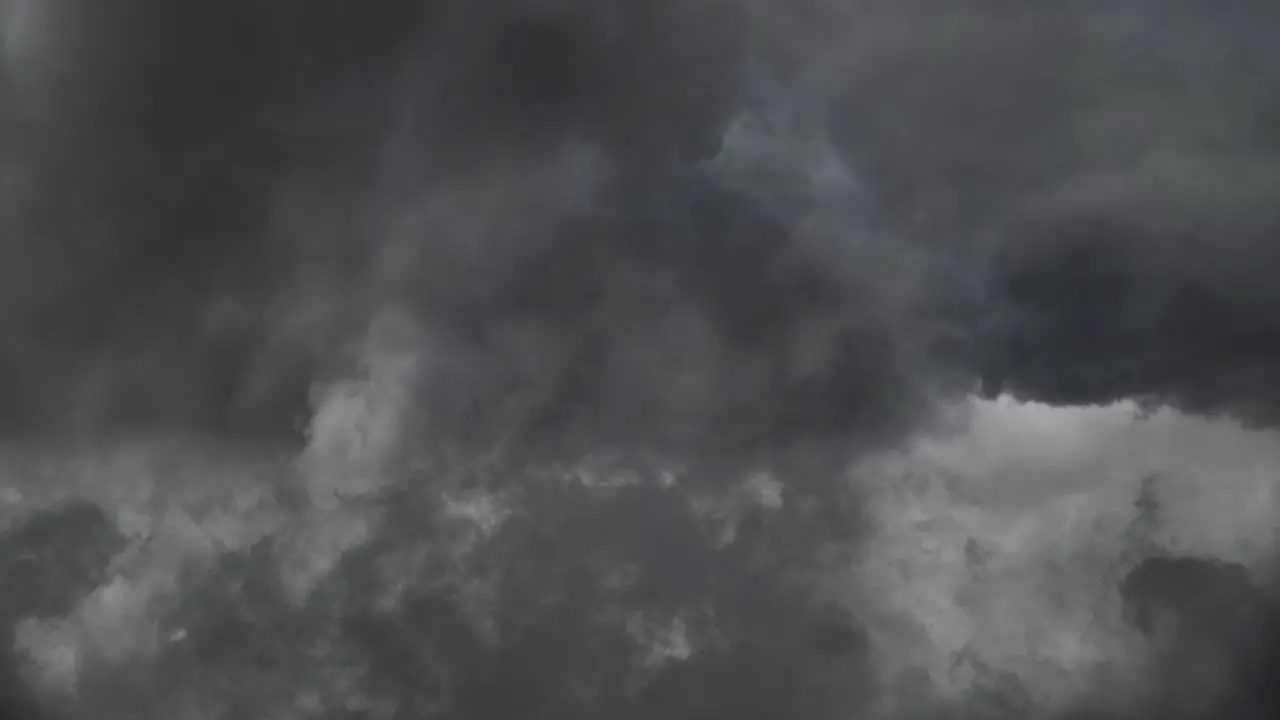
(1004,542)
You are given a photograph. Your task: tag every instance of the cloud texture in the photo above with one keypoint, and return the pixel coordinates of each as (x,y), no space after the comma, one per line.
(605,298)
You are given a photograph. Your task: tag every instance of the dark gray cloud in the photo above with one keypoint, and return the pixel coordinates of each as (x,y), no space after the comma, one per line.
(1103,178)
(148,142)
(733,233)
(525,180)
(219,203)
(1110,172)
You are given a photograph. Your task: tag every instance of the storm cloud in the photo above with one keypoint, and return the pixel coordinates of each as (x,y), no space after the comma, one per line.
(720,249)
(1112,174)
(531,182)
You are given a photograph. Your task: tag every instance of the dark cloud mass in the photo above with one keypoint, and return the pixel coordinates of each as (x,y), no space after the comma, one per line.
(1114,172)
(712,237)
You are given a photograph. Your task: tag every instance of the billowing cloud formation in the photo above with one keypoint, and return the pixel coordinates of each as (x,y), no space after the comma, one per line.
(1105,179)
(223,196)
(584,267)
(1112,172)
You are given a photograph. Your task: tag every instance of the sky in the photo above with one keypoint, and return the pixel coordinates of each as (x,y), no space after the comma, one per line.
(1046,493)
(592,355)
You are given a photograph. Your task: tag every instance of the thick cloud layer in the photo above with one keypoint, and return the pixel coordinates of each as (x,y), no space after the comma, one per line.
(1119,155)
(1112,172)
(215,199)
(182,182)
(421,245)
